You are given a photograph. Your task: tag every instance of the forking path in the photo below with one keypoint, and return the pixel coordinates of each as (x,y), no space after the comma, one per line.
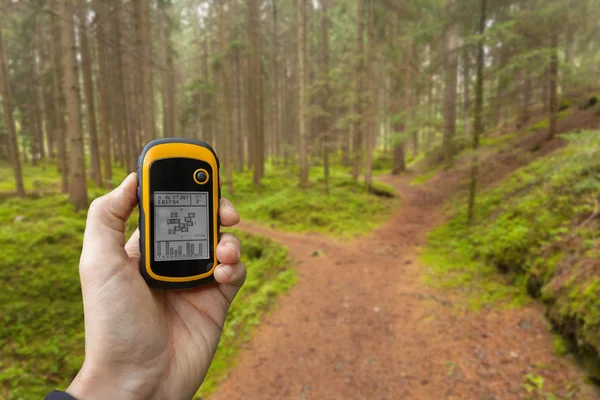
(360,323)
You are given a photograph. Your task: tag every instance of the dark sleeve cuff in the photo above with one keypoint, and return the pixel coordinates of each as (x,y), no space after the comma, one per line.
(56,395)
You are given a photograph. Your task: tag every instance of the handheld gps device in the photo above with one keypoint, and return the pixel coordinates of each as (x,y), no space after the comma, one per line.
(178,195)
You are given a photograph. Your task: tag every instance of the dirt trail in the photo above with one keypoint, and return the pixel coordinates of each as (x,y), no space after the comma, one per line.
(361,324)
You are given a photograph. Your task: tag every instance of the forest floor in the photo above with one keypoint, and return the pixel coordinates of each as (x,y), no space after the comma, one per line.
(361,323)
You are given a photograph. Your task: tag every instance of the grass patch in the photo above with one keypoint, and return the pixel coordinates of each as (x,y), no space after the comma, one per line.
(426,177)
(495,141)
(530,227)
(347,211)
(41,315)
(44,178)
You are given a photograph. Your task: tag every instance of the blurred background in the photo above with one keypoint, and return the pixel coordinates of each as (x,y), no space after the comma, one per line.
(452,146)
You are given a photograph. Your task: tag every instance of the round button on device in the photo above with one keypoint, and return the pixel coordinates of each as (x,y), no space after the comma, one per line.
(200,176)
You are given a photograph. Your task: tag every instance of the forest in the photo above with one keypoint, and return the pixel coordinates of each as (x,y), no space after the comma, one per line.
(438,160)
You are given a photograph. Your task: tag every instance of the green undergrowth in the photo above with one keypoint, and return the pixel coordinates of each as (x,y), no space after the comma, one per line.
(426,176)
(44,178)
(348,210)
(539,228)
(41,316)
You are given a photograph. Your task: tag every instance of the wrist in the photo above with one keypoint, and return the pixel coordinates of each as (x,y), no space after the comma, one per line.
(93,383)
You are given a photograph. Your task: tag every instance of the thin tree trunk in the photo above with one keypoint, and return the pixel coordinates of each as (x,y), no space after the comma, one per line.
(553,84)
(239,137)
(478,123)
(450,70)
(302,98)
(570,45)
(7,102)
(101,18)
(370,96)
(38,109)
(325,124)
(358,91)
(526,97)
(224,73)
(276,90)
(467,90)
(60,132)
(125,82)
(255,97)
(146,70)
(88,86)
(78,184)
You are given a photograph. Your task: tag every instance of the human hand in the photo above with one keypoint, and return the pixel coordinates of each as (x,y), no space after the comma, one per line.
(143,343)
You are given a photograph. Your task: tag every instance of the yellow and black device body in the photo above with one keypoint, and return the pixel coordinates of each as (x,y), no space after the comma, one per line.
(178,195)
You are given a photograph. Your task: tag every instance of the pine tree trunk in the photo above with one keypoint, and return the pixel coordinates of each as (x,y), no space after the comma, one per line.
(148,123)
(78,184)
(358,92)
(276,89)
(38,108)
(255,97)
(450,71)
(302,98)
(526,96)
(103,79)
(478,123)
(224,73)
(124,62)
(325,124)
(553,84)
(467,91)
(88,86)
(370,96)
(239,136)
(169,78)
(60,132)
(7,103)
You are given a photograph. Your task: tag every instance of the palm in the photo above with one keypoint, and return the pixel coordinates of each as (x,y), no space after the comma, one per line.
(155,343)
(166,331)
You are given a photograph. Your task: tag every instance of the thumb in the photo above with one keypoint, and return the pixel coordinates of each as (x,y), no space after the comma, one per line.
(104,237)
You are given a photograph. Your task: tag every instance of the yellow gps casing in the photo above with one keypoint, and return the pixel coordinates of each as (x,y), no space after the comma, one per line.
(178,196)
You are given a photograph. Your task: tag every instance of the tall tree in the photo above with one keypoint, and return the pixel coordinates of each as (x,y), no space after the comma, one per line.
(169,75)
(77,181)
(145,51)
(88,88)
(478,123)
(450,72)
(553,84)
(326,93)
(103,77)
(302,98)
(255,93)
(60,132)
(358,90)
(7,102)
(226,96)
(370,117)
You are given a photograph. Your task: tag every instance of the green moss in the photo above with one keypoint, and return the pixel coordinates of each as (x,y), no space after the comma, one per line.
(539,126)
(561,347)
(348,210)
(528,228)
(496,141)
(42,346)
(426,177)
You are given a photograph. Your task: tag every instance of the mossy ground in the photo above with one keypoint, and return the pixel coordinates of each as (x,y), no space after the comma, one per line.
(535,228)
(41,316)
(41,330)
(347,210)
